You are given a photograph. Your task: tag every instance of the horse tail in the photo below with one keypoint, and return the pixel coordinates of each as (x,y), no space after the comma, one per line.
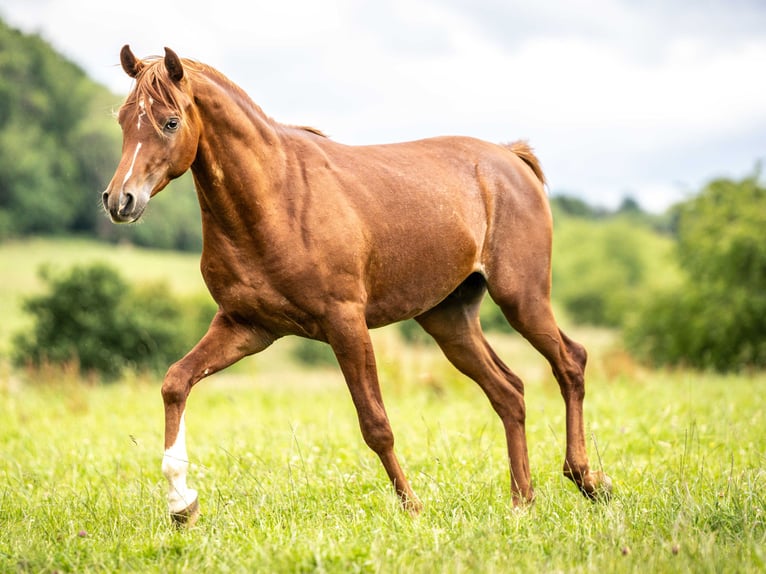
(523,150)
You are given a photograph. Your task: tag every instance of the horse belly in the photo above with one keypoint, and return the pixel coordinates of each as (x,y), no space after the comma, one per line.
(418,269)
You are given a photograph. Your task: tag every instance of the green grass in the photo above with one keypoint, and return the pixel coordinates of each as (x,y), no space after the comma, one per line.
(287,484)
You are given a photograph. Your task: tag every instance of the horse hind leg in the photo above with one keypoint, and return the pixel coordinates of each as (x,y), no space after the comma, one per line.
(454,324)
(350,340)
(530,313)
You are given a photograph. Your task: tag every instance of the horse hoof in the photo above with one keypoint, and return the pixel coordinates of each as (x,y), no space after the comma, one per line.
(524,501)
(598,487)
(412,505)
(188,516)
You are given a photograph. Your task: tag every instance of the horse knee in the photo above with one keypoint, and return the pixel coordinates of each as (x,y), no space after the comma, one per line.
(378,435)
(176,384)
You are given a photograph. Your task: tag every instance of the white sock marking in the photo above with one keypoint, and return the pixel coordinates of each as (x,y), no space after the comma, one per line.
(175,464)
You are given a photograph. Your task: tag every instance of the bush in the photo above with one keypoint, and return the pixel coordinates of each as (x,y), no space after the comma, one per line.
(313,353)
(599,269)
(714,318)
(705,327)
(90,316)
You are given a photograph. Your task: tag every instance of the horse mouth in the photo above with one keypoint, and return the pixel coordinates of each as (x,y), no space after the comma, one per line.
(126,218)
(127,208)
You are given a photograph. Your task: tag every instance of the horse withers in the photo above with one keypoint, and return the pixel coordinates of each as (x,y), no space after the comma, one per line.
(305,236)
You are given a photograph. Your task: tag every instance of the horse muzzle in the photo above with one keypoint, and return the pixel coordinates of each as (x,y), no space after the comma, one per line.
(124,206)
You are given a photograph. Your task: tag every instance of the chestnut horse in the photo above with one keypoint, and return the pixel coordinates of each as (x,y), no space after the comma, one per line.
(305,236)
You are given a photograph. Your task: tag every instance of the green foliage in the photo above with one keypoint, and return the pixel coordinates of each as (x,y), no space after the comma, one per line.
(50,151)
(313,353)
(91,317)
(721,234)
(60,145)
(567,205)
(715,317)
(600,268)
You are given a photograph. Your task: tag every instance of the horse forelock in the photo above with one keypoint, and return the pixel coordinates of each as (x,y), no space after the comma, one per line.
(154,86)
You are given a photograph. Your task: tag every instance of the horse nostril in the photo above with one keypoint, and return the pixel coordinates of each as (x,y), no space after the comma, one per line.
(105,200)
(128,199)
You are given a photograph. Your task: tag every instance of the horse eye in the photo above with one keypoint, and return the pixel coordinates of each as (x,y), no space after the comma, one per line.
(172,125)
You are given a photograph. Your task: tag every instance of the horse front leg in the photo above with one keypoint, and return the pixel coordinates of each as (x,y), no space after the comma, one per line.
(225,343)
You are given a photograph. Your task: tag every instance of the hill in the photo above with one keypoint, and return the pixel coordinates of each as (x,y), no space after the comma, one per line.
(59,146)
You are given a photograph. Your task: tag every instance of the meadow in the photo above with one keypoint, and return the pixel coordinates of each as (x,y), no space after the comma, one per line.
(288,485)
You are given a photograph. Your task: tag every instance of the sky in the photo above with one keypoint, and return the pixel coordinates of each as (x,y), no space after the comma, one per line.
(643,98)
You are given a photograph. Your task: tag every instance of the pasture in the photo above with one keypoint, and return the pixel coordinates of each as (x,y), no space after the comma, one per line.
(288,485)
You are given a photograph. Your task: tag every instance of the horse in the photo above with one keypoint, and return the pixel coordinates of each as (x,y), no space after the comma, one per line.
(306,236)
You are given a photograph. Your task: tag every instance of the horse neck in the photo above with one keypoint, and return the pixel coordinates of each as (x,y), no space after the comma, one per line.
(239,159)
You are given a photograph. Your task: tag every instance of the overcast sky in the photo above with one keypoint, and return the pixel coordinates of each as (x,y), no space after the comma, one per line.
(648,98)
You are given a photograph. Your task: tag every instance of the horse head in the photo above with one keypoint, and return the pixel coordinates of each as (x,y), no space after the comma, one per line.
(160,134)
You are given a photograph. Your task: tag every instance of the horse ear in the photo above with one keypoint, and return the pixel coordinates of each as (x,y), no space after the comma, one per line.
(173,65)
(130,63)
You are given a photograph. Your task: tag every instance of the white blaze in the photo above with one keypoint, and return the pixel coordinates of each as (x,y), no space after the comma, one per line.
(132,164)
(142,113)
(175,465)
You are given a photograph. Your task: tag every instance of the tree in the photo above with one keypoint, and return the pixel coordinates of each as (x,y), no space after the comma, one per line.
(716,317)
(59,146)
(599,268)
(51,149)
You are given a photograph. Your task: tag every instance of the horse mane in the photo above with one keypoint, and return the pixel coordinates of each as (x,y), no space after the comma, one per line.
(524,151)
(309,129)
(154,85)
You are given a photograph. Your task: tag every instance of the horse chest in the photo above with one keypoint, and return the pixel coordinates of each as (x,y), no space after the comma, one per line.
(250,293)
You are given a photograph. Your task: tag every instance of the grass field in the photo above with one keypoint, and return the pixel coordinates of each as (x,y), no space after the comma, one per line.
(287,484)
